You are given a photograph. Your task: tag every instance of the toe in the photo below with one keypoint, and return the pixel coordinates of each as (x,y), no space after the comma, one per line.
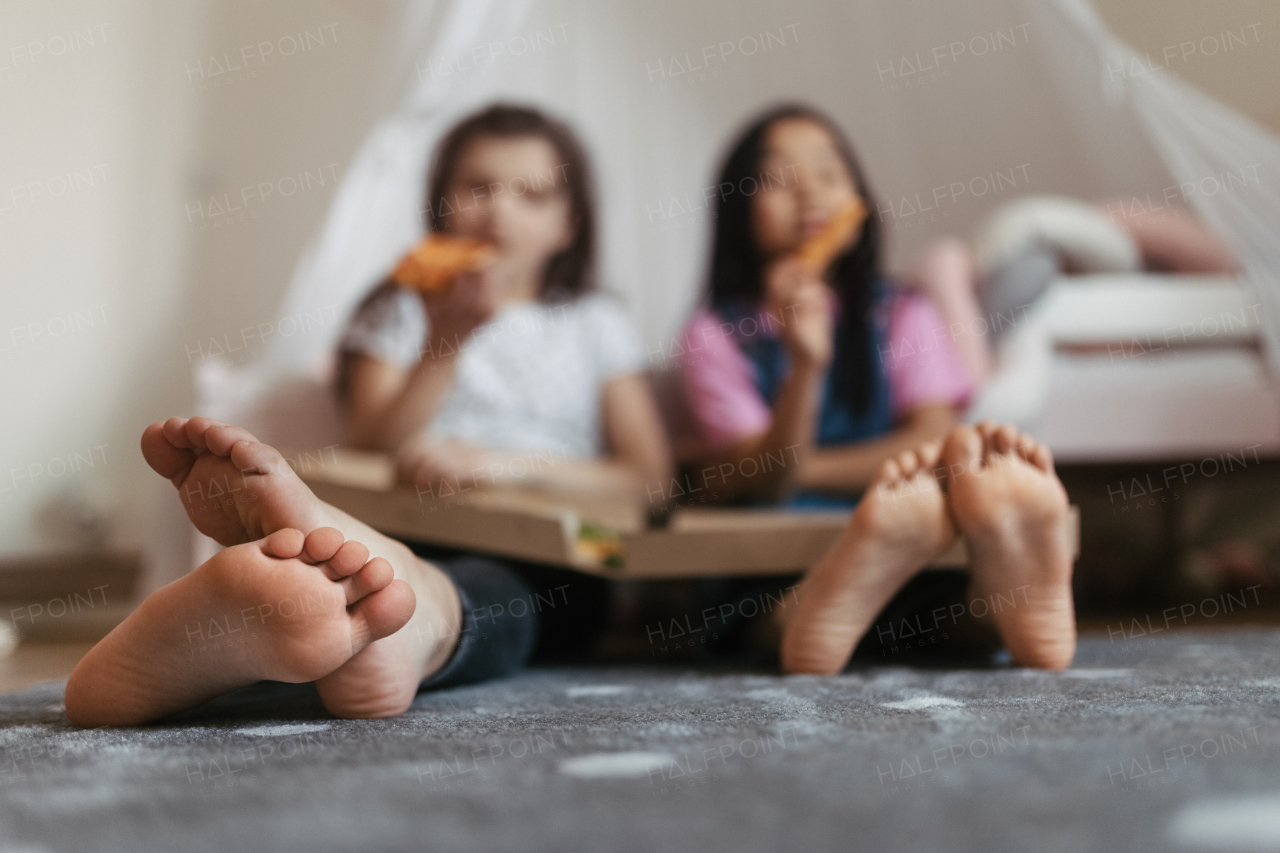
(285,543)
(175,431)
(929,453)
(196,429)
(381,614)
(908,464)
(1041,457)
(254,457)
(1005,438)
(166,459)
(220,438)
(322,544)
(890,473)
(372,576)
(962,452)
(348,559)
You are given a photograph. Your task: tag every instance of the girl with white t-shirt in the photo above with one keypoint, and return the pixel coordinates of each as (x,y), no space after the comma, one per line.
(523,358)
(522,372)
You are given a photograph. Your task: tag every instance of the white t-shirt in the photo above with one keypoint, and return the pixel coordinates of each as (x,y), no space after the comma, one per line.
(529,379)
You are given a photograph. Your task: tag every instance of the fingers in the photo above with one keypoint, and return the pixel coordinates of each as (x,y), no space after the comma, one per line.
(417,469)
(471,299)
(434,460)
(785,279)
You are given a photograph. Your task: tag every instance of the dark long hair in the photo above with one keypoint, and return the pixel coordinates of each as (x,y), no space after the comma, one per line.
(737,269)
(569,273)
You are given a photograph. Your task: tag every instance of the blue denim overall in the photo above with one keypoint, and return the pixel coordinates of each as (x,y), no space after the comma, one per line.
(838,423)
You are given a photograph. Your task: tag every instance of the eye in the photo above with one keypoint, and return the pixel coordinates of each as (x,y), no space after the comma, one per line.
(543,196)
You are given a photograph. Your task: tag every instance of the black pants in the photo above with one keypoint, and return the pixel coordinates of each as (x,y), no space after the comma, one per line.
(515,613)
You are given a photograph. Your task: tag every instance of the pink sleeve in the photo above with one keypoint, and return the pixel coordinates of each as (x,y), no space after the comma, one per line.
(920,360)
(719,384)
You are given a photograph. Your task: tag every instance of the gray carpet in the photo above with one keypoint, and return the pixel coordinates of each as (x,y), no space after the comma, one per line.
(1164,746)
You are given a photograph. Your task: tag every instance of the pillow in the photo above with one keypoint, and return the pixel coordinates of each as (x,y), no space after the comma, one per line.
(1172,241)
(1082,236)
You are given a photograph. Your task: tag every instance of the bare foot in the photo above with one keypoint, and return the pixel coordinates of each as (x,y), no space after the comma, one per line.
(237,489)
(1014,512)
(900,523)
(234,488)
(284,608)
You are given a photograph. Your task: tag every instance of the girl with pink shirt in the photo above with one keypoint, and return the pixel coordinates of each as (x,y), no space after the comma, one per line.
(830,372)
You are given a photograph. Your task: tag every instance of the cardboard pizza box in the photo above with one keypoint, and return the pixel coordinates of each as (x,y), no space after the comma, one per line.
(600,533)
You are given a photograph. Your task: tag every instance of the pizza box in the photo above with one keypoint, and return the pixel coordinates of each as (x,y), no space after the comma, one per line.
(598,532)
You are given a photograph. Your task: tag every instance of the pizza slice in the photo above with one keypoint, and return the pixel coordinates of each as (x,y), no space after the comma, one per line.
(440,258)
(821,249)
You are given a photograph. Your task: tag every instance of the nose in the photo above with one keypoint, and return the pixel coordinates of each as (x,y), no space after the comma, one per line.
(806,185)
(502,206)
(494,208)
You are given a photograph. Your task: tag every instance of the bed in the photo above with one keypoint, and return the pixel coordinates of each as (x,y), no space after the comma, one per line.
(1111,368)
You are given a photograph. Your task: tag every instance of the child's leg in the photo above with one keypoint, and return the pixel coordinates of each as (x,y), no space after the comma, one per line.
(1014,512)
(899,524)
(283,608)
(947,273)
(236,489)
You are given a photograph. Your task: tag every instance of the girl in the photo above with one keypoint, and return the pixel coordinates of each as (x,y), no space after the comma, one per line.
(802,380)
(521,357)
(519,372)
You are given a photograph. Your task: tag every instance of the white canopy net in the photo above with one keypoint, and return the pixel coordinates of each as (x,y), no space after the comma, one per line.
(954,108)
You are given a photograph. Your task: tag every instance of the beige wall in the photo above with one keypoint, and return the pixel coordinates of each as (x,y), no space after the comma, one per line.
(277,137)
(1201,41)
(97,147)
(110,290)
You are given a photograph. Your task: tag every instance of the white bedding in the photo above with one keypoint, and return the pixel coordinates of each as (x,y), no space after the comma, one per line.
(1112,367)
(1180,404)
(1103,309)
